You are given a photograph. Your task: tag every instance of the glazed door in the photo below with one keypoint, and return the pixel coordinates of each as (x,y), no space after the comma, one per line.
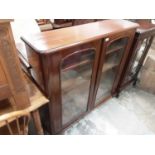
(76,74)
(110,61)
(137,59)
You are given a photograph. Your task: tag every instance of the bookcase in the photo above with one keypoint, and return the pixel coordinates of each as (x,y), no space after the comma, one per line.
(78,67)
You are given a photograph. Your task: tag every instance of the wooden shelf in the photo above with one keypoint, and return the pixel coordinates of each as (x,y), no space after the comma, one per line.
(77,65)
(108,67)
(75,77)
(114,49)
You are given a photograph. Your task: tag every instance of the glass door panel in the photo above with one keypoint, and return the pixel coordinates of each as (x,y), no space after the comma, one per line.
(110,67)
(135,60)
(76,74)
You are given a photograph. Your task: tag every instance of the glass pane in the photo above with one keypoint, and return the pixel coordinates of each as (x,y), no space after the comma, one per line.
(135,60)
(112,60)
(75,82)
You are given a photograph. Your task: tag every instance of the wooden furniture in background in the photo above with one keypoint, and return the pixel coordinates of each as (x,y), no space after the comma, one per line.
(11,79)
(82,21)
(61,23)
(4,87)
(42,21)
(37,100)
(14,123)
(141,45)
(44,24)
(147,75)
(13,87)
(69,65)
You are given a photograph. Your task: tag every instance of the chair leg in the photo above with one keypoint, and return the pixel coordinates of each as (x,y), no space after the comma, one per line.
(37,122)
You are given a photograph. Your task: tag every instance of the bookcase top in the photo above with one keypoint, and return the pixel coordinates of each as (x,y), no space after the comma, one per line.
(49,41)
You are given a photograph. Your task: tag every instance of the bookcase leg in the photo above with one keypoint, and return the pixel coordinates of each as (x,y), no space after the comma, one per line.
(117,95)
(134,82)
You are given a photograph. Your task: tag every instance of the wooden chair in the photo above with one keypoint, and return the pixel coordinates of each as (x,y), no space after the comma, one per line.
(14,123)
(37,100)
(14,89)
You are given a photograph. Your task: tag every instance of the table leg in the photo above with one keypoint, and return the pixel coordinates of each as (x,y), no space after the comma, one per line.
(37,122)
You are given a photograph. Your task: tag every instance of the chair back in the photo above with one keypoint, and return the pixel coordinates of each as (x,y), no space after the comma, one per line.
(14,123)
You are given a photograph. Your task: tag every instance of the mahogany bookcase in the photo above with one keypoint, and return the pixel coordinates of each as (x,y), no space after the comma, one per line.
(78,67)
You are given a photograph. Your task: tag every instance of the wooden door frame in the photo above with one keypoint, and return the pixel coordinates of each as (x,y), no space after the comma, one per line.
(52,63)
(127,34)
